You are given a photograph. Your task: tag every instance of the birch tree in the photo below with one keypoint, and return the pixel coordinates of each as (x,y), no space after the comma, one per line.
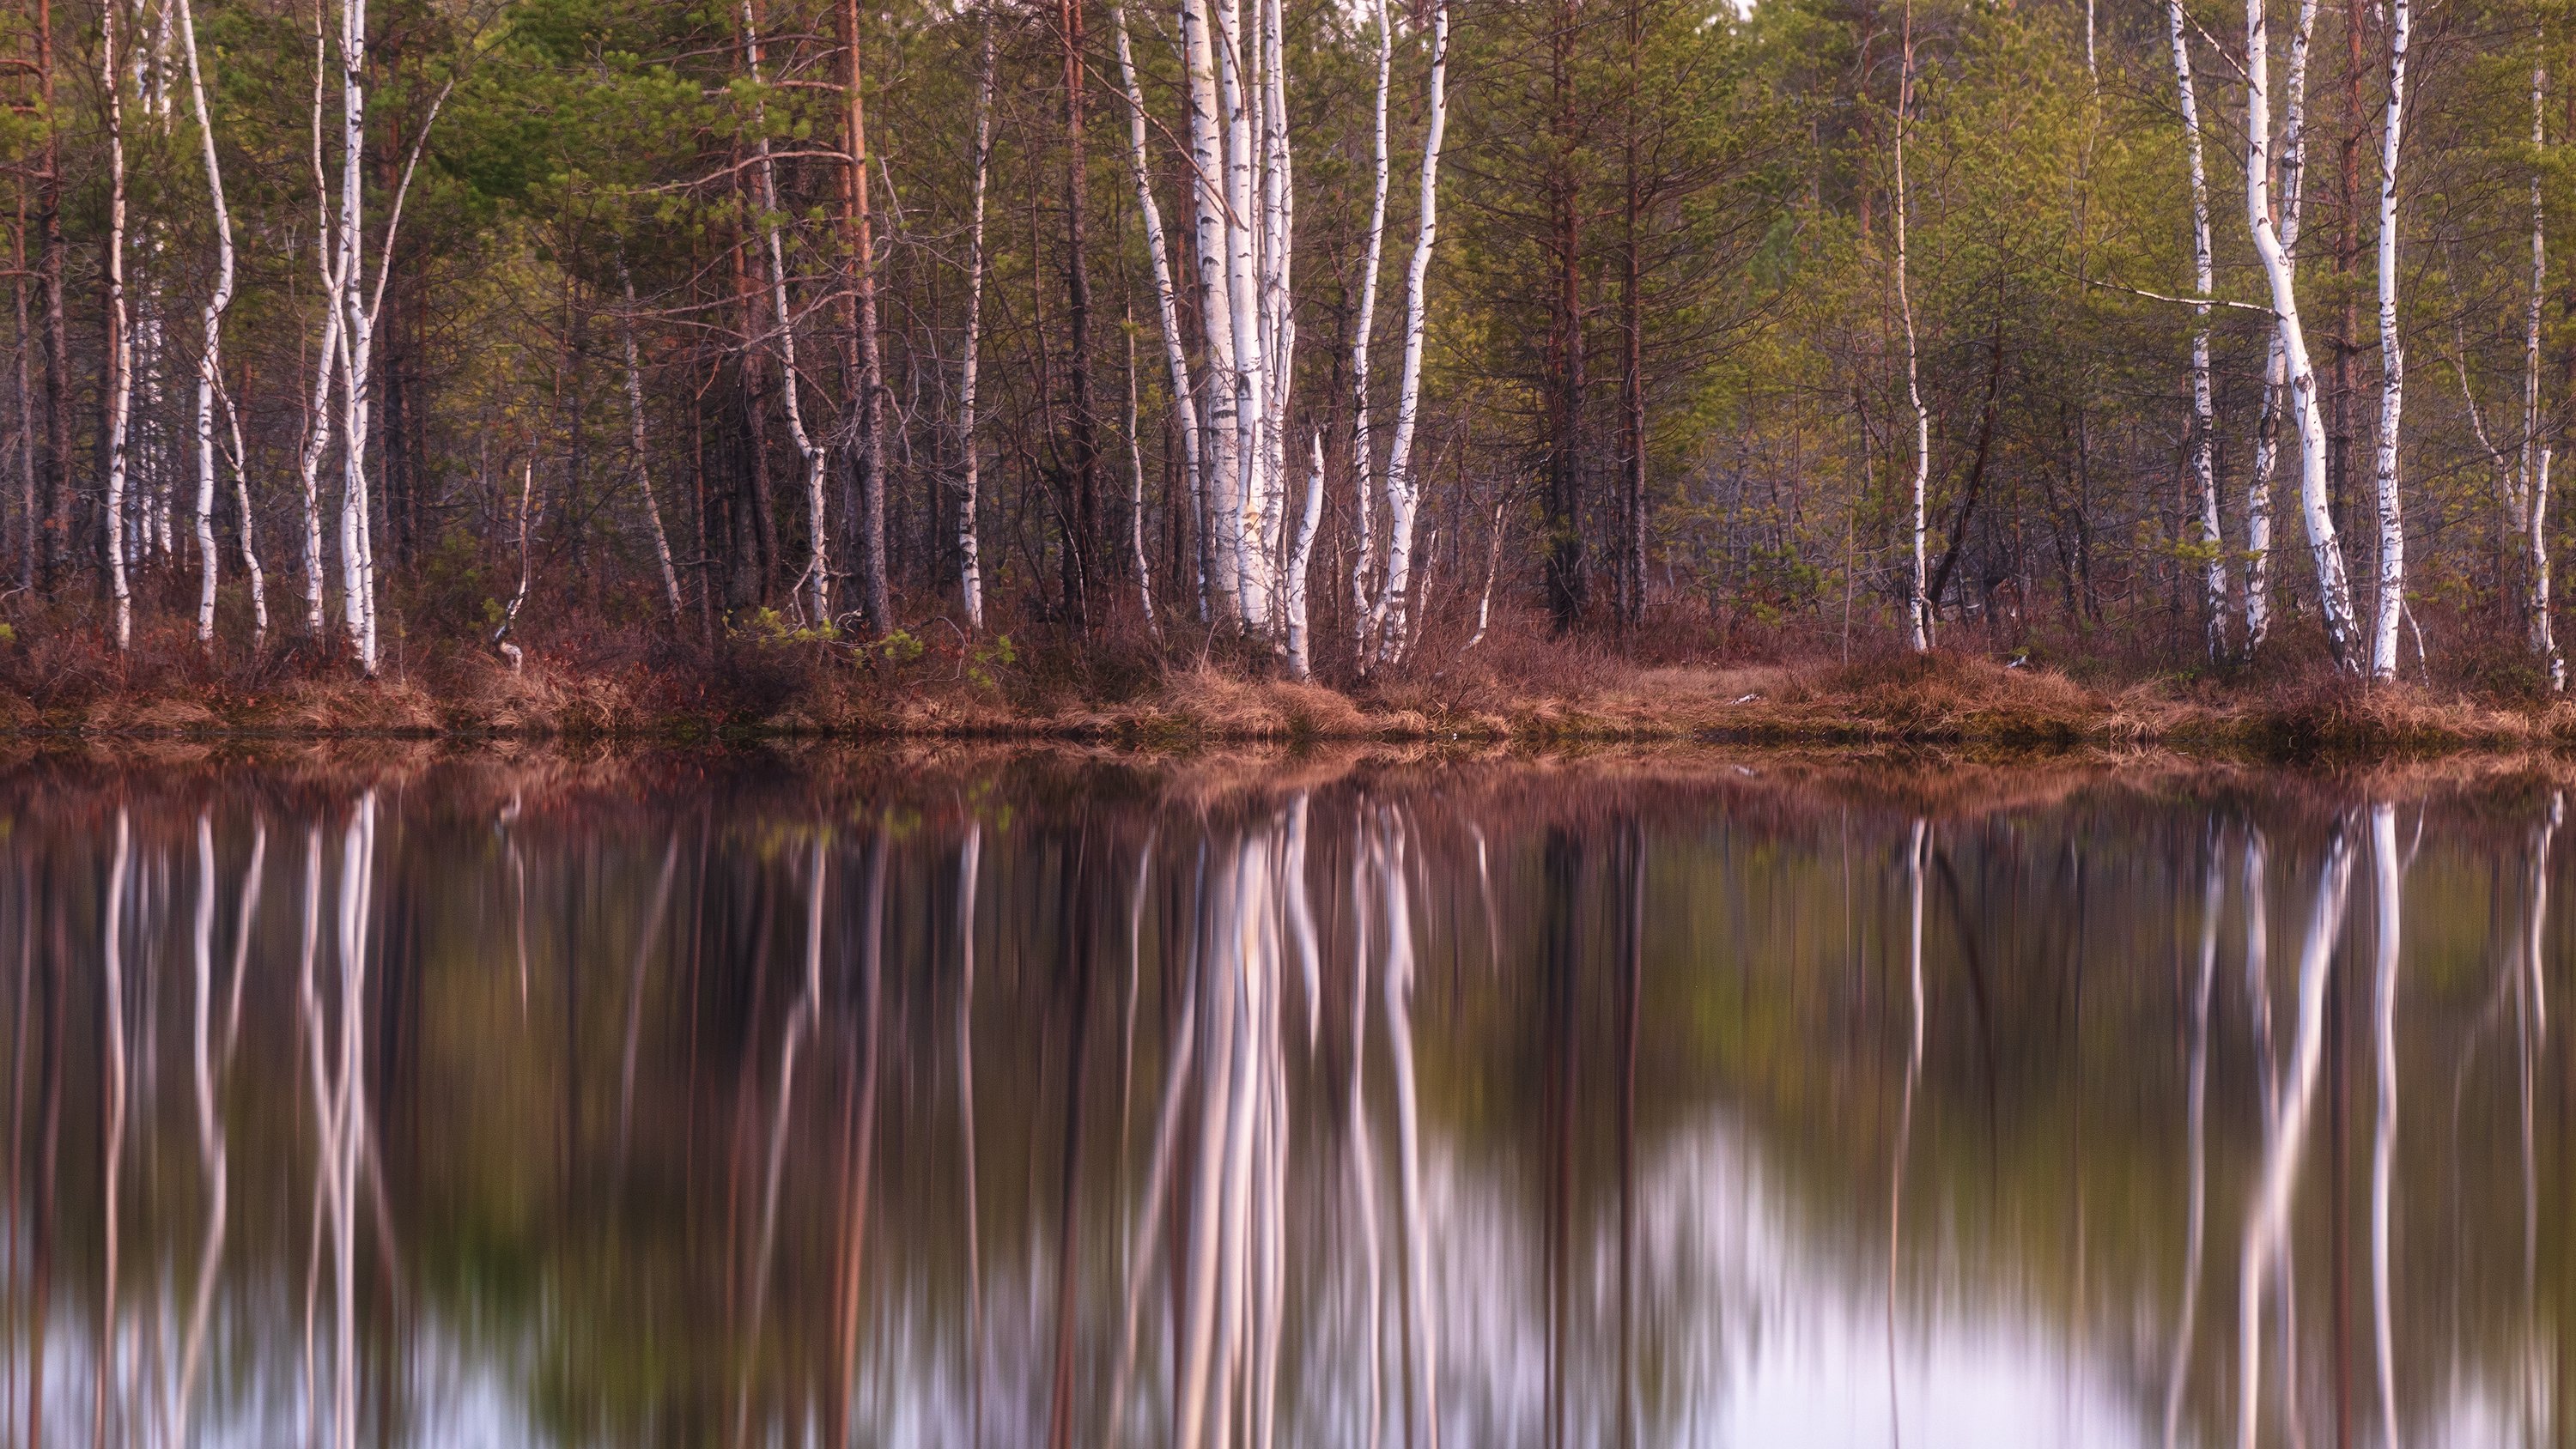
(1166,297)
(2527,506)
(970,563)
(357,342)
(1363,330)
(2204,421)
(2334,588)
(1222,539)
(2392,351)
(120,347)
(815,585)
(210,355)
(2276,371)
(1918,607)
(1392,613)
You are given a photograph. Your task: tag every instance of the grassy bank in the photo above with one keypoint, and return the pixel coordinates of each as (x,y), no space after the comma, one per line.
(1168,696)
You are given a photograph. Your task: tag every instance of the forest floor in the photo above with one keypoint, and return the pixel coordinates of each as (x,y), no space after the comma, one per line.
(1524,695)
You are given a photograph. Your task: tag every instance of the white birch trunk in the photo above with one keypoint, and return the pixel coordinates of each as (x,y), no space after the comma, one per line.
(1166,300)
(970,559)
(2525,504)
(2204,419)
(1363,447)
(1236,102)
(635,425)
(1918,608)
(210,355)
(249,544)
(1278,316)
(1301,553)
(2392,350)
(120,349)
(818,572)
(2334,588)
(357,344)
(1221,540)
(1391,617)
(2276,371)
(2542,638)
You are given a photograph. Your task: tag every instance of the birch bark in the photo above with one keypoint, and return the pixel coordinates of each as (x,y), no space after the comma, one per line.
(2204,420)
(2526,504)
(2276,371)
(211,353)
(1236,99)
(1301,552)
(2334,587)
(2392,351)
(818,573)
(970,562)
(120,348)
(1363,448)
(1918,608)
(1403,489)
(1221,539)
(357,343)
(1166,298)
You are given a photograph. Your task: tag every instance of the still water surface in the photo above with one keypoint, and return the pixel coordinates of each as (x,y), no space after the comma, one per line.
(1043,1100)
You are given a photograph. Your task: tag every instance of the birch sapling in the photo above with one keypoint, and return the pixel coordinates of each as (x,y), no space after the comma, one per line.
(1166,298)
(1918,608)
(2392,350)
(635,432)
(249,544)
(210,354)
(1363,448)
(120,346)
(970,562)
(1390,617)
(2204,421)
(2334,587)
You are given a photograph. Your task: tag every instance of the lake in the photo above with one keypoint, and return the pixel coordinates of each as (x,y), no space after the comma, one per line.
(391,1097)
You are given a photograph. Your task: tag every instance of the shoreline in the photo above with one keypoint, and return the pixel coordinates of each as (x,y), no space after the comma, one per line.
(1942,702)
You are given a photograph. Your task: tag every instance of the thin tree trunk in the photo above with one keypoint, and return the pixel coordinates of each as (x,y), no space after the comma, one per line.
(1221,539)
(1918,607)
(56,551)
(970,560)
(2392,351)
(1363,447)
(868,388)
(635,428)
(1136,493)
(1278,313)
(1166,296)
(2204,420)
(1236,100)
(210,357)
(1632,349)
(357,343)
(1392,615)
(2276,371)
(2525,511)
(2333,586)
(1081,520)
(1301,553)
(818,570)
(120,348)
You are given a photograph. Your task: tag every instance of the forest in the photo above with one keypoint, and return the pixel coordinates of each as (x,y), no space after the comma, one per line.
(1338,341)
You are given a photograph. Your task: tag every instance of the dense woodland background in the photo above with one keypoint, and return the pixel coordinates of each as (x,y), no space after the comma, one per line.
(1664,399)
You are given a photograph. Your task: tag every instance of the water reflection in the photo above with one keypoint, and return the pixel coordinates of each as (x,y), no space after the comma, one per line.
(1037,1099)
